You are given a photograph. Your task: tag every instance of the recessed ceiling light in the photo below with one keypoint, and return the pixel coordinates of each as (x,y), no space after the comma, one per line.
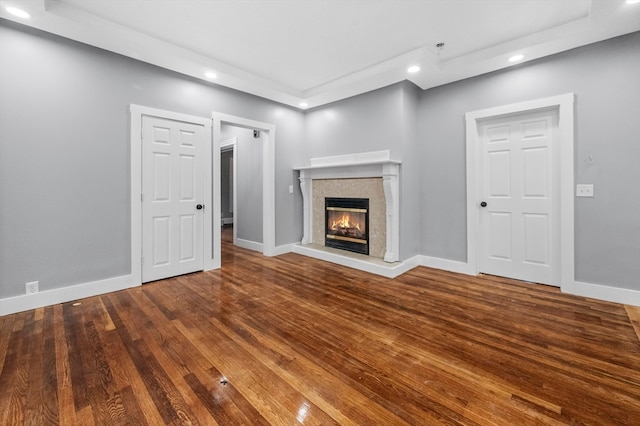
(516,58)
(633,1)
(211,75)
(17,12)
(303,104)
(413,69)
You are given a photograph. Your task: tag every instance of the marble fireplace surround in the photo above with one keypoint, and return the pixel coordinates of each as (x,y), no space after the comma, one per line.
(376,164)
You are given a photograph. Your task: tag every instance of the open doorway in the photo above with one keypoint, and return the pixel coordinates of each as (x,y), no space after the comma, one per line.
(258,194)
(241,154)
(228,169)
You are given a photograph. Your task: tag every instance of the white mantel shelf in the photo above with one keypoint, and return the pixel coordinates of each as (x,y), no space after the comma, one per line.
(352,166)
(358,164)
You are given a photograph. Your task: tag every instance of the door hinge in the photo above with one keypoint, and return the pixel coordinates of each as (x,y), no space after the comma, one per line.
(142,197)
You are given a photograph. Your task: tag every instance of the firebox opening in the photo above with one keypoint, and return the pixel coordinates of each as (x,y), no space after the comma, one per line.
(347,224)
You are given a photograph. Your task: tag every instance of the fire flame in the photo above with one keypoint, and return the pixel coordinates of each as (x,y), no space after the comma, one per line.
(344,223)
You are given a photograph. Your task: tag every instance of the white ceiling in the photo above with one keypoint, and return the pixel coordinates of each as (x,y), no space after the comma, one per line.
(319,51)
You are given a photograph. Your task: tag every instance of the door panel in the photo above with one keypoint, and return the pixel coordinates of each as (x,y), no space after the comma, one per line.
(161,177)
(536,243)
(172,186)
(161,240)
(187,178)
(519,225)
(499,174)
(187,234)
(535,173)
(500,244)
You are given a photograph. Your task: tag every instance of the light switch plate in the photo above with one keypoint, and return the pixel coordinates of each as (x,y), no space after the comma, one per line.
(584,190)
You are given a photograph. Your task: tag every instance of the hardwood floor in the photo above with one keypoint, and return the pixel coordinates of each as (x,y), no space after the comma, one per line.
(289,340)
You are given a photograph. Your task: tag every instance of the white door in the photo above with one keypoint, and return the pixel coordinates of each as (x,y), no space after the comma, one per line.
(172,197)
(519,209)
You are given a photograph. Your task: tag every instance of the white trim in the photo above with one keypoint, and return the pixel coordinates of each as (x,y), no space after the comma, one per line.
(373,157)
(135,148)
(232,145)
(11,305)
(268,178)
(356,261)
(284,249)
(249,245)
(137,112)
(229,143)
(564,104)
(391,187)
(447,265)
(603,292)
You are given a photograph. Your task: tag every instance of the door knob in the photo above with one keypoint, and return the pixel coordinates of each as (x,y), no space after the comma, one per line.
(200,206)
(483,204)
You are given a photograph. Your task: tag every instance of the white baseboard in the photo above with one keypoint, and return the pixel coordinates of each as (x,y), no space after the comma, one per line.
(595,291)
(11,305)
(249,245)
(603,292)
(226,220)
(283,249)
(360,262)
(447,265)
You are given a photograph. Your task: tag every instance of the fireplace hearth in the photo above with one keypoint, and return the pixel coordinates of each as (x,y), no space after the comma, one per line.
(347,224)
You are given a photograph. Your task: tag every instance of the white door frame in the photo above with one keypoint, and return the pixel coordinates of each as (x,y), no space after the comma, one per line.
(268,179)
(231,144)
(137,112)
(564,105)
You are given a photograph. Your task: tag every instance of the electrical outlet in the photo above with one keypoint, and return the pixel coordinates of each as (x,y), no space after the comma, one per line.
(32,287)
(584,190)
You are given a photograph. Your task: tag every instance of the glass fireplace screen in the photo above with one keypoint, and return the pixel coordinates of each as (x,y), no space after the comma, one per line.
(347,224)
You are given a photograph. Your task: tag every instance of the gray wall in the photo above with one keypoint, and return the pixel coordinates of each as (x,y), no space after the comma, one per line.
(410,216)
(383,119)
(369,122)
(605,79)
(64,154)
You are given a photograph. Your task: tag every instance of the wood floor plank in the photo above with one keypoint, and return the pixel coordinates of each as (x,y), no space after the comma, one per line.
(11,402)
(293,340)
(634,317)
(66,407)
(6,330)
(175,355)
(272,397)
(78,352)
(166,398)
(135,396)
(33,401)
(14,379)
(320,386)
(48,396)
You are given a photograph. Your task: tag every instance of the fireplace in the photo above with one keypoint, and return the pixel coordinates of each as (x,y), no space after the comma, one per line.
(347,224)
(372,175)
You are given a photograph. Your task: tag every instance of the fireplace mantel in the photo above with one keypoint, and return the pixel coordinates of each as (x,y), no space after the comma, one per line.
(362,165)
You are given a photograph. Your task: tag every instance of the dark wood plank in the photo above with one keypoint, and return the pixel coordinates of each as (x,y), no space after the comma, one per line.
(165,396)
